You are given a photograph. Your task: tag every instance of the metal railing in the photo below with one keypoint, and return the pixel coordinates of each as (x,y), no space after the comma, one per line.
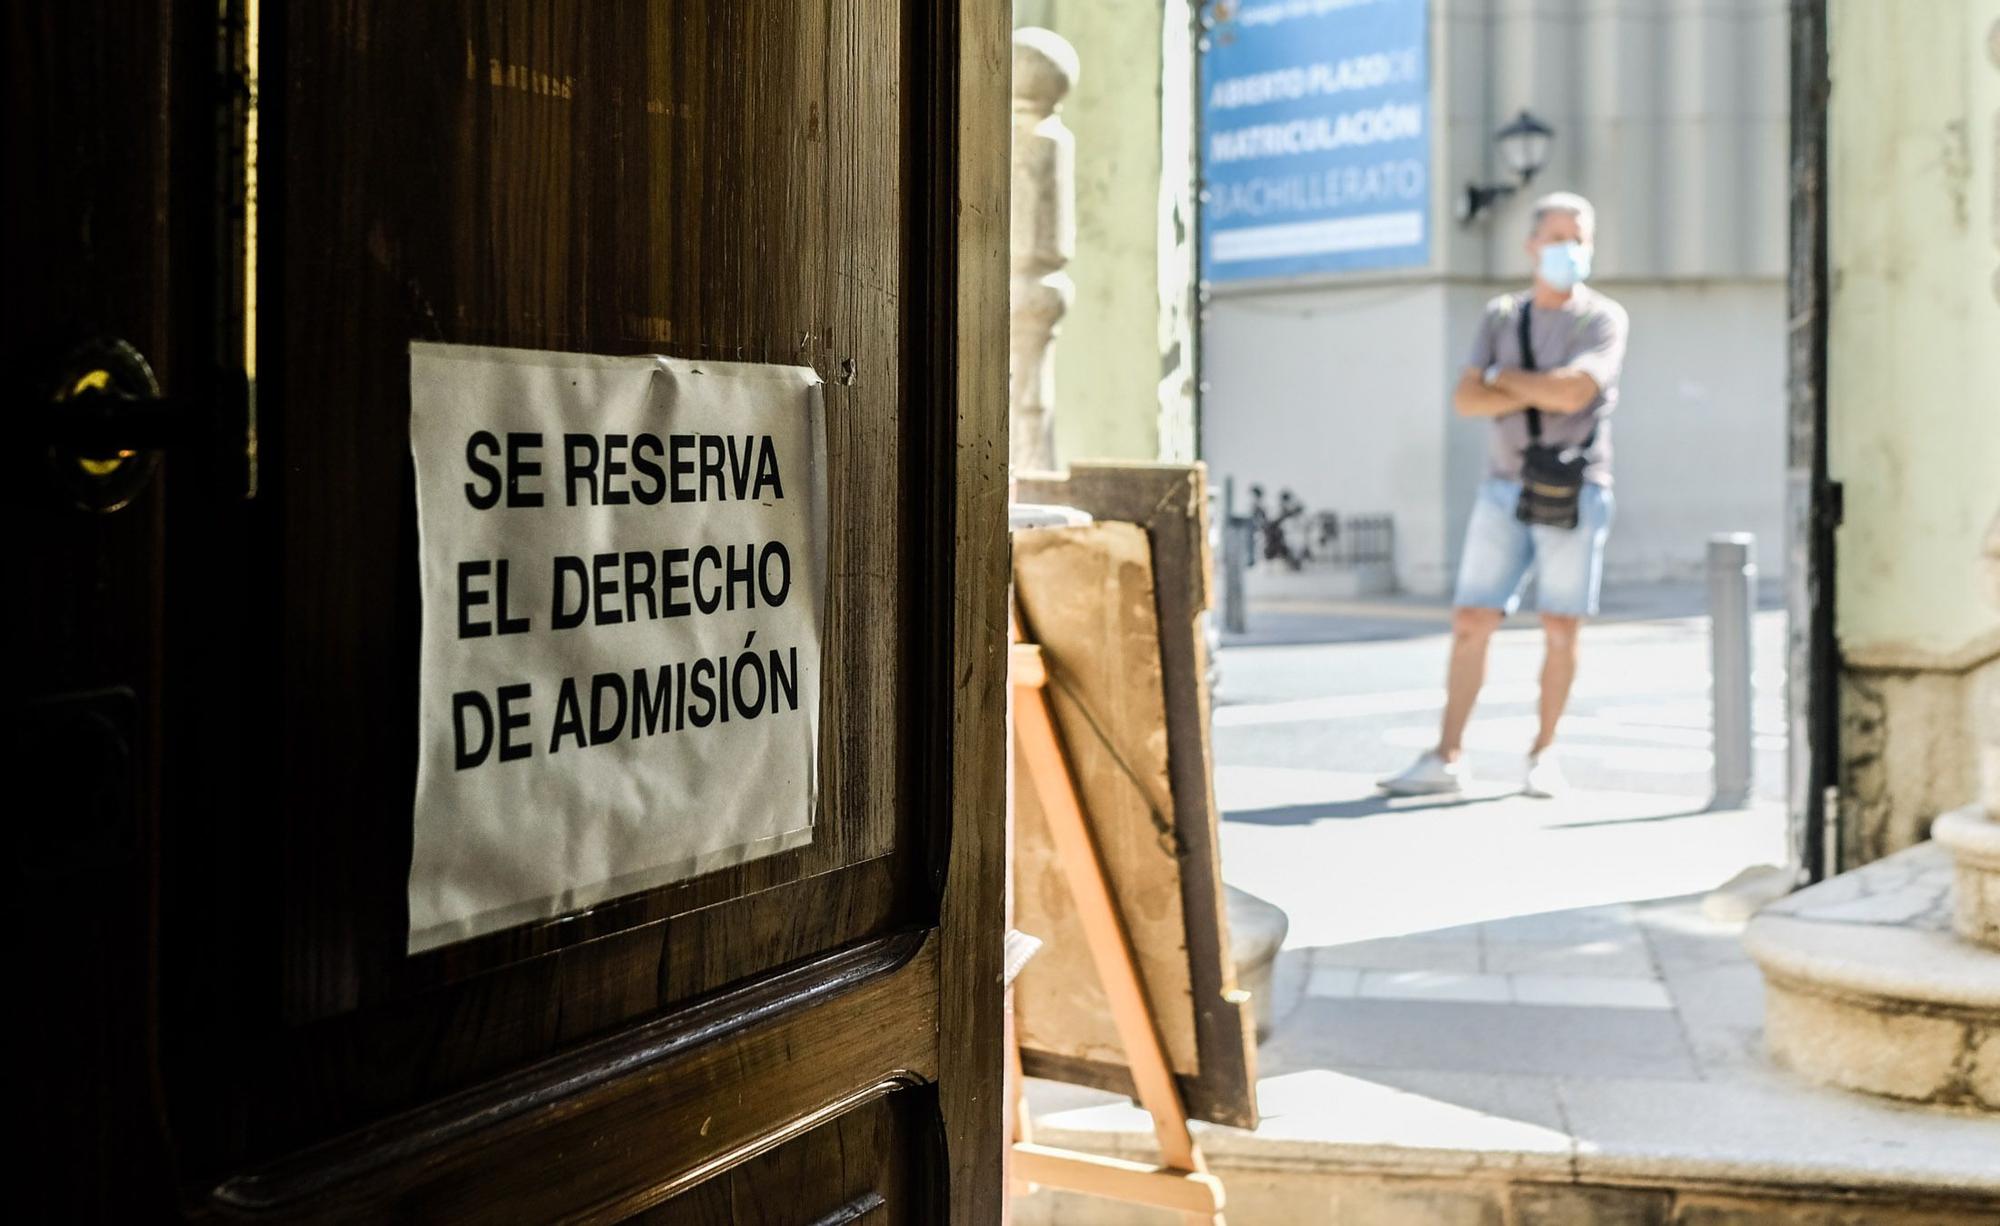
(1290,537)
(1355,540)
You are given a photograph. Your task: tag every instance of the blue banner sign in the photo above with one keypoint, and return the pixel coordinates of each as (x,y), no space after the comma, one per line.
(1316,137)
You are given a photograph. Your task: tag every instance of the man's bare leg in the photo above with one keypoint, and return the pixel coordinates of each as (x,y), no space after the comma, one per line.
(1558,672)
(1471,633)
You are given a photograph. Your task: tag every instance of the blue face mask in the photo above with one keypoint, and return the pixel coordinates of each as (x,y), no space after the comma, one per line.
(1565,265)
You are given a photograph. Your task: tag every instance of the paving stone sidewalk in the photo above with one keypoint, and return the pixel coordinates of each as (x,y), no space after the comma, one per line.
(1487,1004)
(1501,987)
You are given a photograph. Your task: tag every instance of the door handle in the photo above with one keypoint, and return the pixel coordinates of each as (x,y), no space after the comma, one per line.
(104,424)
(98,426)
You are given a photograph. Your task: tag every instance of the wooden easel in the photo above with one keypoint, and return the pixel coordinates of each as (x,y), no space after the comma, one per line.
(1181,1182)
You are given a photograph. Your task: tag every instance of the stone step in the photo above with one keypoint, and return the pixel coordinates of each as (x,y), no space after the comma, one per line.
(1434,1149)
(1869,989)
(1433,1105)
(1973,838)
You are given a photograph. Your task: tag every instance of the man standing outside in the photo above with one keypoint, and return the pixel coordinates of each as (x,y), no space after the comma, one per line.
(1556,392)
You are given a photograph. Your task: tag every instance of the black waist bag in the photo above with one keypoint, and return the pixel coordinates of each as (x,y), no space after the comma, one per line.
(1551,477)
(1551,482)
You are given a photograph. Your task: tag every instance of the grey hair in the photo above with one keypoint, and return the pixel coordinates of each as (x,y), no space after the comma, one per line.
(1565,202)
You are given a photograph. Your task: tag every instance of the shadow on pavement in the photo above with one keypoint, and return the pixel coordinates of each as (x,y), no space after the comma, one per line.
(1703,811)
(1349,810)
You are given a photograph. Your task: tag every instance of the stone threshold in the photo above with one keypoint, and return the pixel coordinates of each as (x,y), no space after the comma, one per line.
(1259,1198)
(1449,1094)
(1420,1147)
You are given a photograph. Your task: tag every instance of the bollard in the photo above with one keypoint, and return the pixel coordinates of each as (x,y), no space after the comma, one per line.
(1233,548)
(1732,597)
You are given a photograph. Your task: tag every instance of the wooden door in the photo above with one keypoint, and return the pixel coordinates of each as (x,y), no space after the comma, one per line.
(217,722)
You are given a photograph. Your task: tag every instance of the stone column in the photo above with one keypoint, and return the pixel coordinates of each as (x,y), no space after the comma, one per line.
(1043,238)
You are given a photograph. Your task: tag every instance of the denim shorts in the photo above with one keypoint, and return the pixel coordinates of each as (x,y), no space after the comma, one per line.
(1501,551)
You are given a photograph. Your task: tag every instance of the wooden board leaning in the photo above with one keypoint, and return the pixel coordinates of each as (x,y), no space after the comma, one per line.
(1203,1020)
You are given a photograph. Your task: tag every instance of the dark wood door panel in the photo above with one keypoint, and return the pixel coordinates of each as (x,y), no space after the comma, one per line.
(616,1127)
(865,1168)
(722,181)
(87,211)
(225,1025)
(343,1072)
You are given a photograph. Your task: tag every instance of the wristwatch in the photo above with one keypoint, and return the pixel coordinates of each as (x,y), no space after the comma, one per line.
(1491,373)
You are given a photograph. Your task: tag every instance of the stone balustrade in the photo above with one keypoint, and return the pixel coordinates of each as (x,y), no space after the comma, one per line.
(1042,241)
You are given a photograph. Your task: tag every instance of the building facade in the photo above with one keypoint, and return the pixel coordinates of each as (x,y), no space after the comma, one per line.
(1672,118)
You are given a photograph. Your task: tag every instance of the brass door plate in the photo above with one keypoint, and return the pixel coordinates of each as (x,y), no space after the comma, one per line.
(103,480)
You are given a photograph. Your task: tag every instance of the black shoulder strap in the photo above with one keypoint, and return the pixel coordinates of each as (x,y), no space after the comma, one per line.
(1528,363)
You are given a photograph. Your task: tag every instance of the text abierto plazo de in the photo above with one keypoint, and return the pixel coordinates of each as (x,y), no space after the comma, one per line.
(622,571)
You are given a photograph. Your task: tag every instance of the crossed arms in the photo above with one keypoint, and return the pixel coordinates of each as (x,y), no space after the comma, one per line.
(1568,390)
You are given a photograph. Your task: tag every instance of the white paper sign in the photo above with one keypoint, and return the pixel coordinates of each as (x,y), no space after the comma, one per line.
(623,569)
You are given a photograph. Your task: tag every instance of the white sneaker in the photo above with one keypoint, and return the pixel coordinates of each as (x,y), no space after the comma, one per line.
(1430,775)
(1544,779)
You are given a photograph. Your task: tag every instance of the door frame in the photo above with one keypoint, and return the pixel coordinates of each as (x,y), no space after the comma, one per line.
(1812,498)
(974,70)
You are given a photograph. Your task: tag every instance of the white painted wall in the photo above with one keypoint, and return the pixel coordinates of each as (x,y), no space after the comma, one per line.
(1700,443)
(1334,394)
(1342,394)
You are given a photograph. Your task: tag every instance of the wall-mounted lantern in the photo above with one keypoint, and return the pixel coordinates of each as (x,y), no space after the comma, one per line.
(1524,147)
